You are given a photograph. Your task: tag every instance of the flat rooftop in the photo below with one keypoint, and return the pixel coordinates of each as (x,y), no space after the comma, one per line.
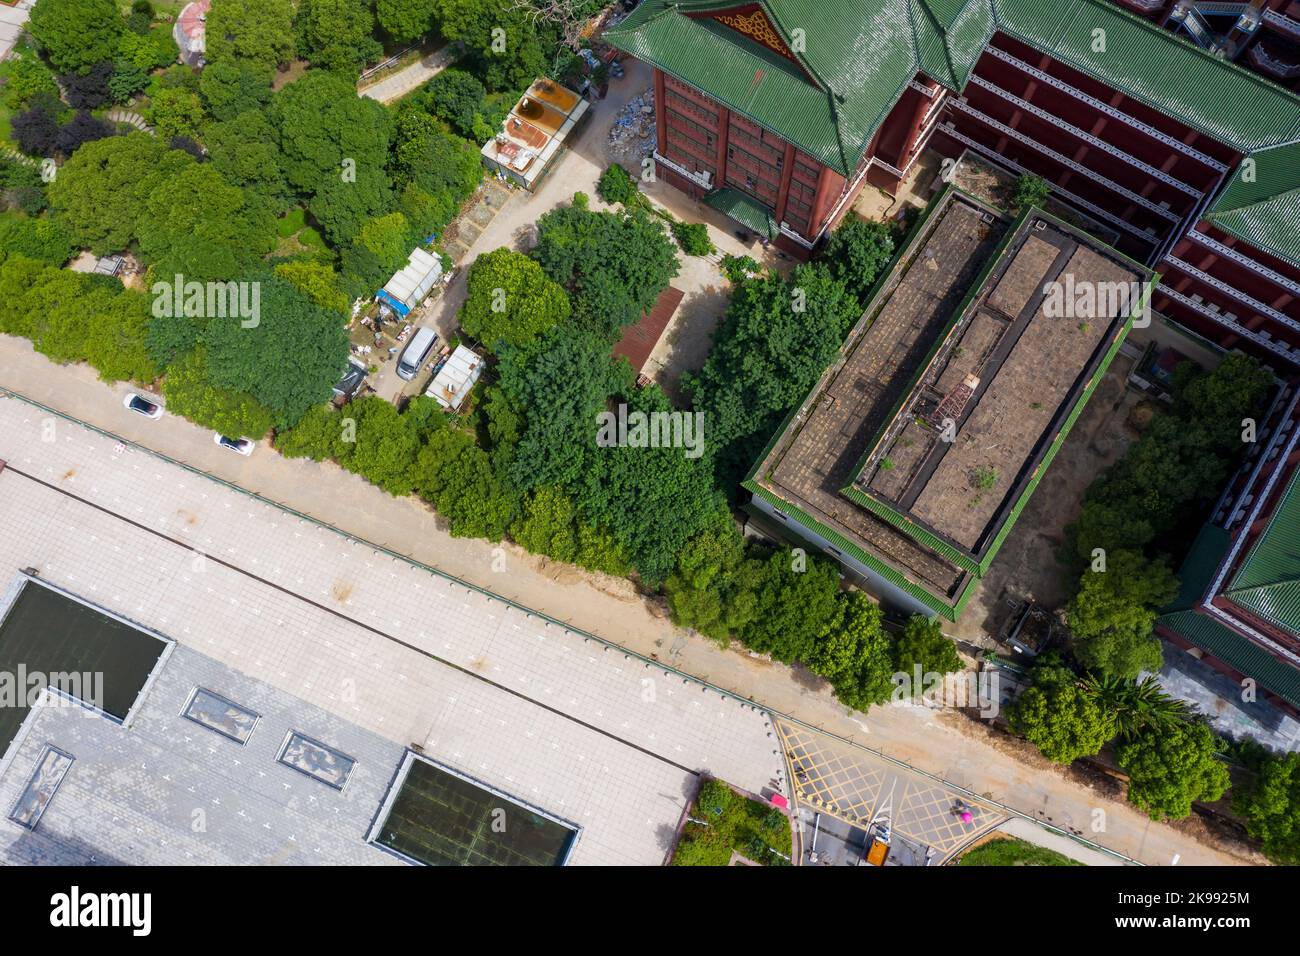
(822,445)
(917,444)
(978,419)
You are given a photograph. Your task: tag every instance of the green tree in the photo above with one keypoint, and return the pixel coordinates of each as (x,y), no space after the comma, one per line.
(549,525)
(858,656)
(1030,190)
(457,98)
(76,34)
(770,348)
(318,435)
(213,240)
(231,88)
(856,254)
(258,32)
(322,123)
(616,184)
(502,46)
(337,34)
(1270,804)
(27,81)
(45,240)
(289,361)
(654,499)
(245,152)
(406,20)
(798,605)
(386,446)
(175,111)
(612,265)
(1136,705)
(923,649)
(454,475)
(317,281)
(101,191)
(1058,716)
(713,588)
(1169,769)
(115,338)
(1112,616)
(559,387)
(190,393)
(510,300)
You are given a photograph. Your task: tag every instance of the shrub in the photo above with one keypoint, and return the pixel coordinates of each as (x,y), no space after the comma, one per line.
(693,237)
(616,185)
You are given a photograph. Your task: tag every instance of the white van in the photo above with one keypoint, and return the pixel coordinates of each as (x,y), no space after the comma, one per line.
(416,351)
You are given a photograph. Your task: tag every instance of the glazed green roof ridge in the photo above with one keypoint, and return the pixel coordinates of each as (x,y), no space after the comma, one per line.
(1268,580)
(1261,203)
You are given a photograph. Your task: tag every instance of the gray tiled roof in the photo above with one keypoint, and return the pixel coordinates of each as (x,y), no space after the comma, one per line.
(167,790)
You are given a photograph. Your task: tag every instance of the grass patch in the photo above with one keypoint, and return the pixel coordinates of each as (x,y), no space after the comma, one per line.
(734,823)
(1012,852)
(292,222)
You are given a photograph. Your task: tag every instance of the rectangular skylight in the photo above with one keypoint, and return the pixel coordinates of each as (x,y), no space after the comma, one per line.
(36,796)
(224,716)
(316,760)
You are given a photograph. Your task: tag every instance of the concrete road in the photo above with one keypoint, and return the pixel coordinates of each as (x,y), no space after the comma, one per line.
(397,85)
(943,743)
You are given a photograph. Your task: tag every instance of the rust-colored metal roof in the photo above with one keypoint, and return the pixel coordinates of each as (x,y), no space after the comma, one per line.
(640,339)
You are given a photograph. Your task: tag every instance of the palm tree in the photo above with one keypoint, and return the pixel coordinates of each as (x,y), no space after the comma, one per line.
(1137,705)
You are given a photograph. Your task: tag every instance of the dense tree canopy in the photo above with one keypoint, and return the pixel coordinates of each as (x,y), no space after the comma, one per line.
(76,34)
(857,253)
(510,300)
(612,265)
(1057,716)
(923,649)
(189,392)
(1169,769)
(216,239)
(289,361)
(1112,616)
(337,35)
(1270,804)
(406,20)
(258,32)
(774,342)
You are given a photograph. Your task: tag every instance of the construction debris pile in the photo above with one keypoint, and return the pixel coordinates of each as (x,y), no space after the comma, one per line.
(632,134)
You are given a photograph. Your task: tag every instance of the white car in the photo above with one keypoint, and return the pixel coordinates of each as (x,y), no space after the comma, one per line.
(243,446)
(142,406)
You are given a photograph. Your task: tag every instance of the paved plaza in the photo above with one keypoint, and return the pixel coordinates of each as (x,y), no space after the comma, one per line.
(851,784)
(605,739)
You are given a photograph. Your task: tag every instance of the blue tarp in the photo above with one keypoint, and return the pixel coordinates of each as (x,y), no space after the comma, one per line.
(398,307)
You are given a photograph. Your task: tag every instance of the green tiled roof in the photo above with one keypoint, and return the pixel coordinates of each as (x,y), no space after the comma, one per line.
(746,211)
(1261,203)
(1268,580)
(1184,617)
(1236,651)
(1226,102)
(862,53)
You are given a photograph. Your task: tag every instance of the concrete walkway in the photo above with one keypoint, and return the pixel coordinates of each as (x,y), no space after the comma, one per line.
(412,77)
(942,743)
(1024,830)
